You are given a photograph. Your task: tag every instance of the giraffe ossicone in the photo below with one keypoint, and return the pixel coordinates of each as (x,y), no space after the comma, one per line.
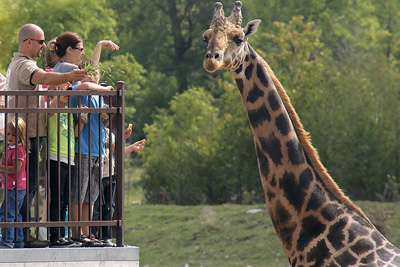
(315,222)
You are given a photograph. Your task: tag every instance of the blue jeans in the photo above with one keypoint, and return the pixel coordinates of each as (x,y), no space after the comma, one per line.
(8,233)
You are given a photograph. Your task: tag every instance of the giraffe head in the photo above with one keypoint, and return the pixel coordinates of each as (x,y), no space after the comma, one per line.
(226,39)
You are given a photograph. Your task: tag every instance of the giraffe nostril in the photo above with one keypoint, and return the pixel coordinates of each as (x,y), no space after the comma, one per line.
(213,55)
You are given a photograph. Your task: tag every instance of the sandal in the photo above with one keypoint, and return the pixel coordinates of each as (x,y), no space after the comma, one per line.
(96,242)
(86,242)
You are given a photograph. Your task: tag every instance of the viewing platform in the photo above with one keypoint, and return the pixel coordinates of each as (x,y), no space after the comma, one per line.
(38,214)
(93,257)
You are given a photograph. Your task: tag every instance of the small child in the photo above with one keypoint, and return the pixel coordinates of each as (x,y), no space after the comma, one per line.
(16,127)
(108,204)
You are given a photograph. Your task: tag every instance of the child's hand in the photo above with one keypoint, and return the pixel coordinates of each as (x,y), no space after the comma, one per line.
(139,145)
(84,116)
(128,132)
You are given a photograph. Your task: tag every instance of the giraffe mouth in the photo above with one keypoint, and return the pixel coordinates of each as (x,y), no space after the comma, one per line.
(211,65)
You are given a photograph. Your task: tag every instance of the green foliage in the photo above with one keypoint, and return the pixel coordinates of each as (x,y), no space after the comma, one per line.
(299,61)
(188,148)
(153,95)
(363,126)
(387,13)
(165,36)
(179,144)
(90,19)
(126,68)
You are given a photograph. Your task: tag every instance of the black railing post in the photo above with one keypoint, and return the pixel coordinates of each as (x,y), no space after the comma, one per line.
(119,160)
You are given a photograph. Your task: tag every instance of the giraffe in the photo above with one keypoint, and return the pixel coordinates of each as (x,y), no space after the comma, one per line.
(315,222)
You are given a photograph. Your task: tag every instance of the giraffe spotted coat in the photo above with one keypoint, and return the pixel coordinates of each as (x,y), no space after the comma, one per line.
(315,222)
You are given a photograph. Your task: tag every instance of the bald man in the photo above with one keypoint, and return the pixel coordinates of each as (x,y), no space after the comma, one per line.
(24,74)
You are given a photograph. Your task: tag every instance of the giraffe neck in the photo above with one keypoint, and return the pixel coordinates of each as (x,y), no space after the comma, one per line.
(315,222)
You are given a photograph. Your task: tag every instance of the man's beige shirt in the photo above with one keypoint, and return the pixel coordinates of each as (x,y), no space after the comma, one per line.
(19,77)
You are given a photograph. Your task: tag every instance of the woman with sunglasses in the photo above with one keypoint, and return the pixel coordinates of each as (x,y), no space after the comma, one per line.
(68,51)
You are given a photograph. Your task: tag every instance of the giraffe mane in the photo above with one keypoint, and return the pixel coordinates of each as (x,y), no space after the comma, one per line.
(310,151)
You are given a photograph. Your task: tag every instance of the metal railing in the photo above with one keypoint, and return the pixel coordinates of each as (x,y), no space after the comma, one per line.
(115,122)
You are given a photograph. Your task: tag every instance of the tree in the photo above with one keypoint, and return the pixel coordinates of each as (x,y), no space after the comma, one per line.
(126,68)
(165,36)
(387,13)
(179,143)
(92,21)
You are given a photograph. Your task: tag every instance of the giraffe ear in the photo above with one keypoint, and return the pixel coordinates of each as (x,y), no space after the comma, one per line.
(251,27)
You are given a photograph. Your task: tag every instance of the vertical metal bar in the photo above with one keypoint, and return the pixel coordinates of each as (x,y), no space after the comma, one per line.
(101,160)
(58,168)
(111,142)
(119,157)
(89,97)
(37,164)
(69,164)
(5,197)
(16,145)
(47,179)
(99,143)
(5,156)
(79,174)
(27,198)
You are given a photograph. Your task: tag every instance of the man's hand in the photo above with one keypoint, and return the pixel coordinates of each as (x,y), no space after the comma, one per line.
(77,75)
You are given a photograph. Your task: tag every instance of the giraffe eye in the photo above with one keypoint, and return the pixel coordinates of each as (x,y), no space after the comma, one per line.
(205,41)
(238,41)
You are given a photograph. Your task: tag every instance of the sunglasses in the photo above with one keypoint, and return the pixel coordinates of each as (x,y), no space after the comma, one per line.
(78,49)
(39,41)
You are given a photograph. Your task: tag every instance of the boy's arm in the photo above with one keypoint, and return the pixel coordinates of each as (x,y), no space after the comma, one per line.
(139,145)
(93,86)
(53,104)
(54,101)
(76,128)
(127,133)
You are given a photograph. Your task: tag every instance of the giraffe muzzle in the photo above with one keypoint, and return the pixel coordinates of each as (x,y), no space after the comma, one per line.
(212,61)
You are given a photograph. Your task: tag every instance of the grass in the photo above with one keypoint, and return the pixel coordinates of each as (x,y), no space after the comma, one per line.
(223,235)
(203,236)
(133,193)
